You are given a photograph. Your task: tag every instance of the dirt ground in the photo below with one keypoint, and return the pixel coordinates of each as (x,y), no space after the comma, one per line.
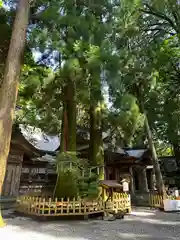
(141,224)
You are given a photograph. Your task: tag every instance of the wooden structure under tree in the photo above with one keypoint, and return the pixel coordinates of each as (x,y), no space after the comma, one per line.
(21,169)
(134,165)
(34,172)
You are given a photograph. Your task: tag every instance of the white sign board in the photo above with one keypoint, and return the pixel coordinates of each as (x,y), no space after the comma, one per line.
(171,205)
(125,186)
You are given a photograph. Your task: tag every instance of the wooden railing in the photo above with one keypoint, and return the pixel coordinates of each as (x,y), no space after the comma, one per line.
(47,207)
(156,200)
(119,202)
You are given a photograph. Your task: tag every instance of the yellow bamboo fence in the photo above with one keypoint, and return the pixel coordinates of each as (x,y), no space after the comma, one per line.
(46,207)
(156,200)
(38,206)
(119,202)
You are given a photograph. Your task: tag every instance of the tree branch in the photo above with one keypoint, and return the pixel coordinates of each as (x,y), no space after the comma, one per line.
(160,15)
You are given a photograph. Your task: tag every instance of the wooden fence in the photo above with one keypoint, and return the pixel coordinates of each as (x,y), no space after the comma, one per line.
(156,200)
(119,202)
(47,207)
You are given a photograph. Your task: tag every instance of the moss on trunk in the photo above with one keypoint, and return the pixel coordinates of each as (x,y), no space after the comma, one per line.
(71,115)
(68,129)
(92,146)
(96,149)
(68,135)
(64,130)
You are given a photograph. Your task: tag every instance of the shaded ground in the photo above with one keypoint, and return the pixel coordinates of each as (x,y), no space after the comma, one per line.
(141,224)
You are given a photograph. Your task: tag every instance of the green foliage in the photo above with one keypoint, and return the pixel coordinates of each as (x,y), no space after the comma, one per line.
(66,186)
(70,182)
(133,46)
(88,187)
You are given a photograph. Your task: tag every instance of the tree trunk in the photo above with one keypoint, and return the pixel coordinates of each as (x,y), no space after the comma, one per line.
(159,179)
(96,148)
(9,88)
(92,150)
(64,130)
(71,114)
(68,134)
(68,129)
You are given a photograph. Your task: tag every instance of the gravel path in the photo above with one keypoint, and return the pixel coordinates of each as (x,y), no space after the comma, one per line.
(141,224)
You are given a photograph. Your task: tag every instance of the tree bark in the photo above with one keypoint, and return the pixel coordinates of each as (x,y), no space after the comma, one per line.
(68,129)
(9,88)
(71,114)
(159,179)
(64,130)
(96,148)
(92,150)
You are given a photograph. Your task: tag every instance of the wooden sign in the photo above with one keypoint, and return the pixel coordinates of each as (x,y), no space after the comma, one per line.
(125,186)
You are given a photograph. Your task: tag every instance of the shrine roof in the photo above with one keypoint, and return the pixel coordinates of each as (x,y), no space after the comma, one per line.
(110,184)
(39,139)
(137,153)
(20,142)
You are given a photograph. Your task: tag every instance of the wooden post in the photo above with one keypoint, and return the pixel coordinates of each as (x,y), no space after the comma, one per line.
(80,203)
(62,202)
(49,206)
(43,205)
(132,180)
(55,210)
(74,205)
(67,207)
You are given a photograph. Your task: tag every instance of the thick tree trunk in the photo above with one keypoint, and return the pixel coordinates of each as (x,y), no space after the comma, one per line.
(71,114)
(92,150)
(96,148)
(159,179)
(68,134)
(9,88)
(64,130)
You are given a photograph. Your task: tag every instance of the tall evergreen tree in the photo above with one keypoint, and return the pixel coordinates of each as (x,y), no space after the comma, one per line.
(9,87)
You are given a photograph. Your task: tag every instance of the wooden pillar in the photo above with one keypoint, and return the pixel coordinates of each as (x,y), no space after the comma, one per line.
(13,175)
(132,184)
(16,179)
(151,180)
(144,182)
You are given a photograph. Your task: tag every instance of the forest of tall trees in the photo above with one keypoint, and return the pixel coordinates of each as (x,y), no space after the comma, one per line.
(57,58)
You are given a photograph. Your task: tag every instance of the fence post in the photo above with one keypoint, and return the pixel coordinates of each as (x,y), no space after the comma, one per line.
(43,206)
(62,202)
(67,207)
(74,205)
(55,209)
